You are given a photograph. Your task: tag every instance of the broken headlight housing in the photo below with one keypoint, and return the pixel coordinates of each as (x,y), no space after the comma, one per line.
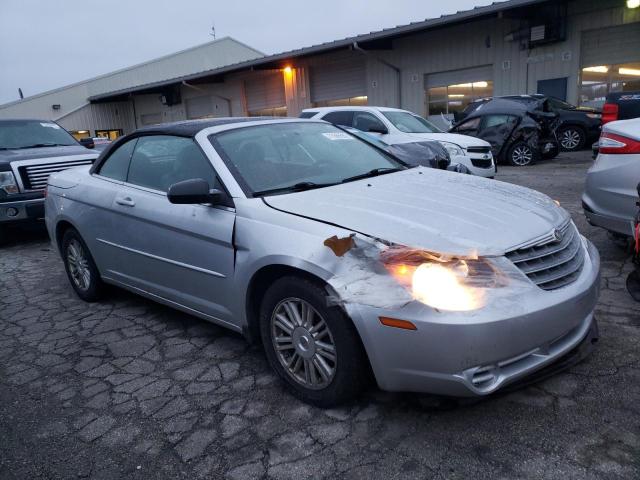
(452,284)
(453,149)
(8,182)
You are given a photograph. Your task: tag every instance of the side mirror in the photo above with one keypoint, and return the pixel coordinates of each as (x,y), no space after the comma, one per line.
(196,190)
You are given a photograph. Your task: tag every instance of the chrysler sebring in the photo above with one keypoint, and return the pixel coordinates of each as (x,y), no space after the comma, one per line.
(341,260)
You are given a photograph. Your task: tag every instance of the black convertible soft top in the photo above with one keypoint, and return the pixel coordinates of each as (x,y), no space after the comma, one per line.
(183,128)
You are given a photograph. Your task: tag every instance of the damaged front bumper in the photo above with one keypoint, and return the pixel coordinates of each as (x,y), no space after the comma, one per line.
(476,353)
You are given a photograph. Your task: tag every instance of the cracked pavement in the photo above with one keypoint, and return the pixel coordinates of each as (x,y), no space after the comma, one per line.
(128,388)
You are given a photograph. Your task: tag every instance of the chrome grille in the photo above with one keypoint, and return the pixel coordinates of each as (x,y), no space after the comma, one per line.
(34,177)
(553,263)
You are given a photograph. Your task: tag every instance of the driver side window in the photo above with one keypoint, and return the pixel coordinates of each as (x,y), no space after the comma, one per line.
(159,161)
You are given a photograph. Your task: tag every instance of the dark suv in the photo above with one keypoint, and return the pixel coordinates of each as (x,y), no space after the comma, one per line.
(579,126)
(30,150)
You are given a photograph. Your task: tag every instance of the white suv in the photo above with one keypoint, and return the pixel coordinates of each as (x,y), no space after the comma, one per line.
(392,125)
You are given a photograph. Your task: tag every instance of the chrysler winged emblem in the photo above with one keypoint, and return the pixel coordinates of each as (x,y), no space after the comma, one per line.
(557,235)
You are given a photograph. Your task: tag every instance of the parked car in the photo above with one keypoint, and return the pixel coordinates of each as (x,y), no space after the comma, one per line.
(519,133)
(621,106)
(609,199)
(579,126)
(413,153)
(339,258)
(633,279)
(392,125)
(30,150)
(99,143)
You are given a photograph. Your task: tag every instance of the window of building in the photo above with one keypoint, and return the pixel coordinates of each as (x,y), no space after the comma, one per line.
(269,112)
(599,80)
(78,134)
(454,98)
(361,101)
(109,134)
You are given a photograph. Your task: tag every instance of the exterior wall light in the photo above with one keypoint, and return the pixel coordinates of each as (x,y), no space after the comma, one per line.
(633,3)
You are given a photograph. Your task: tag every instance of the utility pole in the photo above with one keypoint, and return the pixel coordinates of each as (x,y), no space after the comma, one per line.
(213,31)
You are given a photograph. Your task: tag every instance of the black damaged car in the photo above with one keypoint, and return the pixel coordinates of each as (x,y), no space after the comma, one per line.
(519,133)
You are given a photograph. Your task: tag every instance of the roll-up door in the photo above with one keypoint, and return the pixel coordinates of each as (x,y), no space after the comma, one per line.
(265,92)
(339,80)
(611,45)
(199,107)
(456,77)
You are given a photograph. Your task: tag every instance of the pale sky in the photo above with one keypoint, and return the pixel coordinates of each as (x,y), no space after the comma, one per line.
(46,44)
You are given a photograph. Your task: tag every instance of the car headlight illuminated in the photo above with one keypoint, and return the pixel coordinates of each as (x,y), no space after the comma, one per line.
(445,284)
(8,182)
(452,148)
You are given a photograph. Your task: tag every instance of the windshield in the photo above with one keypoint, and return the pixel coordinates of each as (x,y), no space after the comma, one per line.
(410,123)
(297,156)
(32,133)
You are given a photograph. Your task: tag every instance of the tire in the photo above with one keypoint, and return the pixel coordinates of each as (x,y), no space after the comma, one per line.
(521,154)
(341,379)
(81,268)
(571,138)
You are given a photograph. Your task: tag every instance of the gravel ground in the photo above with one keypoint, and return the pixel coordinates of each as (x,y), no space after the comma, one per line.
(131,389)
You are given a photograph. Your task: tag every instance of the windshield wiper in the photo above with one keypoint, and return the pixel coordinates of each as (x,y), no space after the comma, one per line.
(42,145)
(372,173)
(298,187)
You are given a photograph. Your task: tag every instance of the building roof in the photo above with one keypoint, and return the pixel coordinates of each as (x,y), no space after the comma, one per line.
(204,57)
(280,59)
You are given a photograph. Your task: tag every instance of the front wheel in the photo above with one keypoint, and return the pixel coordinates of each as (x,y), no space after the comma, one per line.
(314,348)
(521,154)
(81,269)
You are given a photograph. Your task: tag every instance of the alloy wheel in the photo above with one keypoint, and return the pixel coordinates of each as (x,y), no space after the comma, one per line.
(303,343)
(78,265)
(570,139)
(522,155)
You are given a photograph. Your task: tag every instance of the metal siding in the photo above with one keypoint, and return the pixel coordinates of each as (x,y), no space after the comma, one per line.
(605,46)
(466,75)
(344,79)
(100,116)
(266,91)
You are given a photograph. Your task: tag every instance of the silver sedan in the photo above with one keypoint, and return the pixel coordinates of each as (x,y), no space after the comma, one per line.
(610,195)
(346,264)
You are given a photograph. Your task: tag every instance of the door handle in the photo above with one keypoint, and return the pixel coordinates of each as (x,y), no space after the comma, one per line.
(126,201)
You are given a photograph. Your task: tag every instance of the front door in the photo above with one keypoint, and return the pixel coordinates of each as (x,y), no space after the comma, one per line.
(181,253)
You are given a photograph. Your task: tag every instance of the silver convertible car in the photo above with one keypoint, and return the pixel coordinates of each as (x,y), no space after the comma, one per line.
(345,263)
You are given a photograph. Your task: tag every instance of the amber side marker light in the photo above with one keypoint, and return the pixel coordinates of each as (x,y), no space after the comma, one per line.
(397,323)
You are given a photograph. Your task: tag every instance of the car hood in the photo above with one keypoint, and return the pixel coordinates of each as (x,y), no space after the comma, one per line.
(435,210)
(462,140)
(7,156)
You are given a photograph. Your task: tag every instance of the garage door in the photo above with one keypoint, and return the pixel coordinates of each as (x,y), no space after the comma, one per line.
(611,45)
(457,77)
(265,92)
(206,106)
(340,80)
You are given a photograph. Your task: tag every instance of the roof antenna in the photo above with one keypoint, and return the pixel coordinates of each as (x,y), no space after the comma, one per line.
(20,93)
(213,31)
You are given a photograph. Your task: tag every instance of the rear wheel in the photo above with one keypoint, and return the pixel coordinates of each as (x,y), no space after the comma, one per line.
(81,269)
(314,348)
(571,138)
(521,154)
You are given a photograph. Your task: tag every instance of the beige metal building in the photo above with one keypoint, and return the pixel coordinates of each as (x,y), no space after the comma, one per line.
(577,50)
